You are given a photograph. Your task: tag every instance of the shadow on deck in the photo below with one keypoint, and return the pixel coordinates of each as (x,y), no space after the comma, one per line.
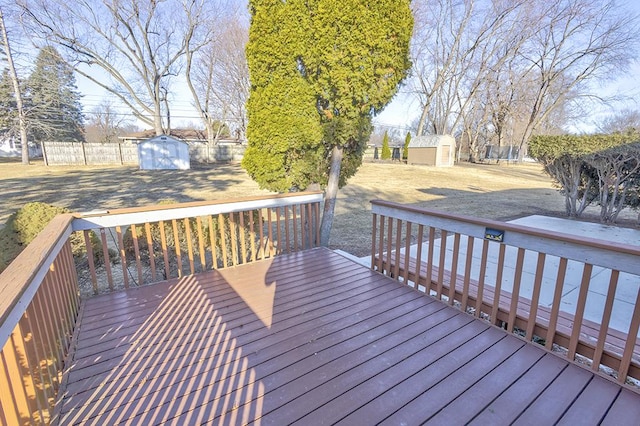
(314,338)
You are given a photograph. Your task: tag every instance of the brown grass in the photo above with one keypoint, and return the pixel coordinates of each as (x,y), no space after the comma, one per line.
(500,192)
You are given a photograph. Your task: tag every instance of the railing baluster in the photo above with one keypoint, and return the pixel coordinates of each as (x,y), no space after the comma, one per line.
(212,241)
(223,240)
(555,307)
(430,254)
(515,293)
(381,246)
(48,384)
(374,231)
(201,252)
(317,209)
(294,219)
(270,232)
(467,274)
(454,268)
(407,253)
(165,249)
(579,314)
(188,236)
(123,257)
(92,266)
(243,243)
(8,390)
(419,257)
(481,278)
(303,233)
(136,251)
(389,252)
(13,370)
(498,286)
(29,361)
(252,236)
(396,269)
(278,232)
(233,232)
(606,316)
(535,296)
(105,254)
(286,230)
(176,244)
(441,262)
(629,347)
(152,254)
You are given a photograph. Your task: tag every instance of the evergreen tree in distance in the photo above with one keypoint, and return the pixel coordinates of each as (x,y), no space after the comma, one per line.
(405,147)
(55,112)
(8,110)
(386,150)
(320,70)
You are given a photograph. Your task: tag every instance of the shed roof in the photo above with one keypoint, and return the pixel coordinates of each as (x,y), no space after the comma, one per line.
(429,141)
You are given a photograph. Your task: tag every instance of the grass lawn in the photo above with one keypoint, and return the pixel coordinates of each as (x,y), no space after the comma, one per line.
(499,192)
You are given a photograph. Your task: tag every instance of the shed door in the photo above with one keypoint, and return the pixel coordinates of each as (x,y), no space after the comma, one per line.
(446,151)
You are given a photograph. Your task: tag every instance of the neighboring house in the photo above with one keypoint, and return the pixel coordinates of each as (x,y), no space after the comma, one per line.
(432,150)
(191,136)
(10,146)
(163,152)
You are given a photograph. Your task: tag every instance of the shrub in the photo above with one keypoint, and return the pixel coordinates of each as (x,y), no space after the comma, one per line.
(25,224)
(592,167)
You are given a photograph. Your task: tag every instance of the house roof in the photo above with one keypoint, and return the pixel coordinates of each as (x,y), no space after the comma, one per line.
(429,141)
(186,134)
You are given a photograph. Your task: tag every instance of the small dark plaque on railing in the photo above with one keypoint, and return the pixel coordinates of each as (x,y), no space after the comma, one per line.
(494,234)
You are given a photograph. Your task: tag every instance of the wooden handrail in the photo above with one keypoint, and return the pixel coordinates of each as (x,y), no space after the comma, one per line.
(39,304)
(165,241)
(463,278)
(23,276)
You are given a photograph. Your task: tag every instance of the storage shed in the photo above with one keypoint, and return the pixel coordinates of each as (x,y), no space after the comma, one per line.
(432,150)
(163,152)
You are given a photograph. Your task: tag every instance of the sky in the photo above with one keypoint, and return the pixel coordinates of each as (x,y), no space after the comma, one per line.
(403,110)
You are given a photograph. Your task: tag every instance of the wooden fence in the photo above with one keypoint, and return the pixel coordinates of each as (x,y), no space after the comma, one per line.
(91,153)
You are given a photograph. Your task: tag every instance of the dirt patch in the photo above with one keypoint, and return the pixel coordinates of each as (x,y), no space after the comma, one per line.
(500,192)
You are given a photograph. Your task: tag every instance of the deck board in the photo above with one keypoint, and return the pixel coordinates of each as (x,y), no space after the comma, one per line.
(312,338)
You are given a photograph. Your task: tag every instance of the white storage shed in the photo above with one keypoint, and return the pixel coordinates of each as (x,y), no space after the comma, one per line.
(163,152)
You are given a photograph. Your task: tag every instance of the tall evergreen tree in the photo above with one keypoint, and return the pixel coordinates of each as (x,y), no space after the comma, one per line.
(320,70)
(8,112)
(55,112)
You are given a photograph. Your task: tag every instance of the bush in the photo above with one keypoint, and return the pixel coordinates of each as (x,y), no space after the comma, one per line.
(592,167)
(25,224)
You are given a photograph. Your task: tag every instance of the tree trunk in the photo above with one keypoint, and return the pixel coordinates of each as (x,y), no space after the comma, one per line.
(24,143)
(330,195)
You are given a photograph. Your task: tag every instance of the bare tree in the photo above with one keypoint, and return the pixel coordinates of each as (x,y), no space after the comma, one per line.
(575,42)
(137,46)
(624,121)
(106,123)
(218,77)
(529,63)
(456,44)
(22,122)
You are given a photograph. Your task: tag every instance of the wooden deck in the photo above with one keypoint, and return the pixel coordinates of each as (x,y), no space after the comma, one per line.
(313,338)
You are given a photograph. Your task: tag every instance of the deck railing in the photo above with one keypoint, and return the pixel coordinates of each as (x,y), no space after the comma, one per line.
(103,251)
(577,296)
